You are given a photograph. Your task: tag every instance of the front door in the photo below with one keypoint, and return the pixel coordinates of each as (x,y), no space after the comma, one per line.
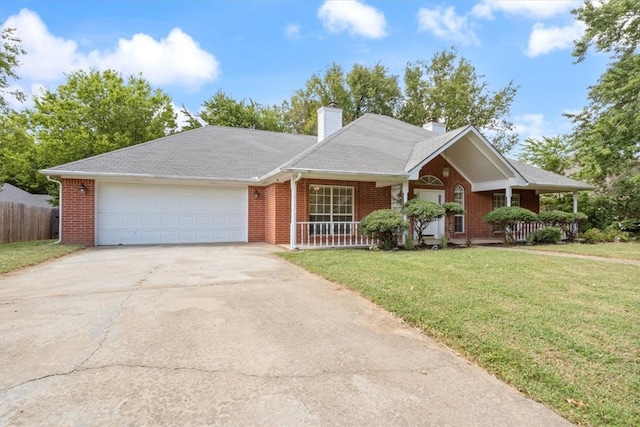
(436,228)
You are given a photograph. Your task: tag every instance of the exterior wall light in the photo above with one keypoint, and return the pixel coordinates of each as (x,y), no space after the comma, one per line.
(256,193)
(82,188)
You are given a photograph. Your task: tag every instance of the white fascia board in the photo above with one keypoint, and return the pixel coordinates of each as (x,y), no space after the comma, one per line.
(490,185)
(145,177)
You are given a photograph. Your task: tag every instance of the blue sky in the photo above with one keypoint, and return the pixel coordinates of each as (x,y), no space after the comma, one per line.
(265,50)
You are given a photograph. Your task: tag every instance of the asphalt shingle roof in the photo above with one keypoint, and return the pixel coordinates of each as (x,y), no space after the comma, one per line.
(537,176)
(11,193)
(371,145)
(212,152)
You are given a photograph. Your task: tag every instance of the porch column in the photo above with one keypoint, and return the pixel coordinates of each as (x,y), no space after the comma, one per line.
(294,210)
(575,201)
(507,195)
(405,199)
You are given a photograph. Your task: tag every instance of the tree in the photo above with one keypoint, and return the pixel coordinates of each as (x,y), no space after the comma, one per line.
(96,112)
(611,26)
(18,156)
(223,110)
(606,136)
(10,51)
(548,153)
(423,212)
(449,89)
(362,90)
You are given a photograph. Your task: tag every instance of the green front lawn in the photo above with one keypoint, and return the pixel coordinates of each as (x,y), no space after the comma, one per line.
(22,254)
(564,331)
(629,250)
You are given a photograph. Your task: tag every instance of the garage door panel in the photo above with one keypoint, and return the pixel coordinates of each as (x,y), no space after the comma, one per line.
(148,214)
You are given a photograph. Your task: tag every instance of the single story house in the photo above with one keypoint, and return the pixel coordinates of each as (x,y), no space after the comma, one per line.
(220,184)
(11,193)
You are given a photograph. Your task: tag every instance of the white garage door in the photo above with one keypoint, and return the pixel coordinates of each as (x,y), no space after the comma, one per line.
(134,214)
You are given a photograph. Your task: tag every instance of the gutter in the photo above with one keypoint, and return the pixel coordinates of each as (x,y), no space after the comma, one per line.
(59,210)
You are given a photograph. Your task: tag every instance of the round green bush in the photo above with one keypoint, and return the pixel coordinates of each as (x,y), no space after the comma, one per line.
(508,218)
(385,225)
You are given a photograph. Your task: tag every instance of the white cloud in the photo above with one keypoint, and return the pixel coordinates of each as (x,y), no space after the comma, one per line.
(446,24)
(177,59)
(353,16)
(530,126)
(544,39)
(535,9)
(292,31)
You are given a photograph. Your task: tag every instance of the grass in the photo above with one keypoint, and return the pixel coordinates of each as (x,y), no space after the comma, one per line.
(629,250)
(564,331)
(23,254)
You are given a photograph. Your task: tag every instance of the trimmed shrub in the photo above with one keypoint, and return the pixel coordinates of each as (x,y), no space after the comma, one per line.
(422,213)
(594,235)
(508,218)
(545,235)
(385,225)
(555,218)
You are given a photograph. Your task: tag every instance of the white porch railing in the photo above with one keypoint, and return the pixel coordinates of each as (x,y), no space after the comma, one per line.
(523,229)
(331,235)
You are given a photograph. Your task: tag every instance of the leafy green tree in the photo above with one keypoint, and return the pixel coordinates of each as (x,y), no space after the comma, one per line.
(612,26)
(448,88)
(548,153)
(18,156)
(423,212)
(362,90)
(10,51)
(192,120)
(223,110)
(96,112)
(606,134)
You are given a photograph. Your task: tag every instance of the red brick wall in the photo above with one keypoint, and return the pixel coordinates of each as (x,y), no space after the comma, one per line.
(256,212)
(78,212)
(476,205)
(277,212)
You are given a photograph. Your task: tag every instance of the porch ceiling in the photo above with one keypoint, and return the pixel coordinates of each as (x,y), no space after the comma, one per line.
(481,165)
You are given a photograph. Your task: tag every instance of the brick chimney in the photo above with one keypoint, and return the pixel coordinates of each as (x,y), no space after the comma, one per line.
(435,126)
(329,120)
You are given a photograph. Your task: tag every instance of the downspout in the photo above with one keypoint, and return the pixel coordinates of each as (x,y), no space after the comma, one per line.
(59,210)
(294,210)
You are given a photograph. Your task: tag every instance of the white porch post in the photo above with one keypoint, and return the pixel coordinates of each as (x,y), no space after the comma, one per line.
(294,210)
(405,199)
(507,195)
(575,201)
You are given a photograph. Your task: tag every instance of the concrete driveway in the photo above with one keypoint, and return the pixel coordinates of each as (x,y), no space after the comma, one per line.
(224,335)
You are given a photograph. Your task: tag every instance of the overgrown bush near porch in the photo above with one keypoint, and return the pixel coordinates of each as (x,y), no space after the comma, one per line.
(568,222)
(385,225)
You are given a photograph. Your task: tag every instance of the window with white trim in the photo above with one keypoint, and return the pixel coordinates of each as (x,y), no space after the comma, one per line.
(458,219)
(430,180)
(500,200)
(330,204)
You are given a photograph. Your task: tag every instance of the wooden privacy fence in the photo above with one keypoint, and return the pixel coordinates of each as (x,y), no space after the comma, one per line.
(20,222)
